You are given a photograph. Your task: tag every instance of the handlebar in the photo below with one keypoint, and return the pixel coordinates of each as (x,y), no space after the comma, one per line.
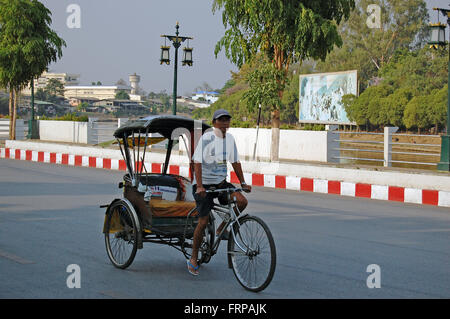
(228,189)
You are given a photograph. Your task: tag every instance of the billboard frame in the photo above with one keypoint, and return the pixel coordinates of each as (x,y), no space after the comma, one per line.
(323,74)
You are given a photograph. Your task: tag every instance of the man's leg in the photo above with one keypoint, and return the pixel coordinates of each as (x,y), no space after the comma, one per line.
(198,236)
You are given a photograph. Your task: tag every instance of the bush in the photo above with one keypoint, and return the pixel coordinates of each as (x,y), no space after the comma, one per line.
(314,127)
(67,117)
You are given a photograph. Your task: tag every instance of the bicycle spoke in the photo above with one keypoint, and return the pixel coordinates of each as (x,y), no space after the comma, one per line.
(255,266)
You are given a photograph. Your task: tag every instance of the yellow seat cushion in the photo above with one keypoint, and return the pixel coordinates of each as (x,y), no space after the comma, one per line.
(165,208)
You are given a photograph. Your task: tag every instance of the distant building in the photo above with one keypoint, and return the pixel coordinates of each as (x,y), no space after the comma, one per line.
(42,81)
(76,93)
(191,103)
(209,97)
(94,92)
(113,104)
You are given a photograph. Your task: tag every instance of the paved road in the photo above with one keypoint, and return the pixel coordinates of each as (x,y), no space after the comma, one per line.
(49,219)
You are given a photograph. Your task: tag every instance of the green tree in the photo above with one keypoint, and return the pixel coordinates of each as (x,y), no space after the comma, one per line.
(421,70)
(55,87)
(367,48)
(165,100)
(393,107)
(289,103)
(122,95)
(410,73)
(286,31)
(416,113)
(437,111)
(82,106)
(265,83)
(27,46)
(42,95)
(367,109)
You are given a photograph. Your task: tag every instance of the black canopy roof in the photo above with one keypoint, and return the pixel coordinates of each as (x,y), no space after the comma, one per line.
(162,124)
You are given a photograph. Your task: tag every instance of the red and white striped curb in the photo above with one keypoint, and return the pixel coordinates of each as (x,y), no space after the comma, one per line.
(381,192)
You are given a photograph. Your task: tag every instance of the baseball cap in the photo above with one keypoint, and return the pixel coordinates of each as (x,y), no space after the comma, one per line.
(220,113)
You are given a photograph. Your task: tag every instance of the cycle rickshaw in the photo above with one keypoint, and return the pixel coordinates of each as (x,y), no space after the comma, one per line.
(160,207)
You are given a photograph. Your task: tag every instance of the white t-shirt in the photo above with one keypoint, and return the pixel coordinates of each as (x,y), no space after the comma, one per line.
(214,152)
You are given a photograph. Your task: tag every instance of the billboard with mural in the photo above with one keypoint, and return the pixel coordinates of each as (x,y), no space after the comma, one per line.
(321,96)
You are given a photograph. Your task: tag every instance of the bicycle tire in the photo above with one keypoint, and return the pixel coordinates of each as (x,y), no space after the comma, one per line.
(121,234)
(253,234)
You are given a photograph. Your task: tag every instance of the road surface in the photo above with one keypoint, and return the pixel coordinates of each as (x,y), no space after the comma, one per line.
(328,246)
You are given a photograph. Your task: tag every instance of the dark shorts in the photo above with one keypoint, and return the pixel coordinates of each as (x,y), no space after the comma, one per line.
(204,204)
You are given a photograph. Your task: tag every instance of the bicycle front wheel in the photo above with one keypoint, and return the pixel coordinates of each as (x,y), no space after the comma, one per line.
(253,254)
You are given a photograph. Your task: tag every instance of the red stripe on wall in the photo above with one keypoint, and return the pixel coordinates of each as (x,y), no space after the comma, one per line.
(92,161)
(257,179)
(52,157)
(122,165)
(78,160)
(17,154)
(363,190)
(334,187)
(7,153)
(28,155)
(174,169)
(396,194)
(40,156)
(156,168)
(138,166)
(65,159)
(280,181)
(306,184)
(234,178)
(430,197)
(107,163)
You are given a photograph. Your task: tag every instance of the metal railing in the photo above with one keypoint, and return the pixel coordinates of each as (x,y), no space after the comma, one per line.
(102,131)
(21,129)
(382,147)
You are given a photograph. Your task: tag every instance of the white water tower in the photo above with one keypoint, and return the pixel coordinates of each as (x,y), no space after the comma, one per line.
(134,81)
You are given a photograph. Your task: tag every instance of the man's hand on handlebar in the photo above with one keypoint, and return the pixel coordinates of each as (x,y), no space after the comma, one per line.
(246,188)
(201,191)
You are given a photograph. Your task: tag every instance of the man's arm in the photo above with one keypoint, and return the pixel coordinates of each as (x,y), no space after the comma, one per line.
(198,177)
(240,175)
(198,174)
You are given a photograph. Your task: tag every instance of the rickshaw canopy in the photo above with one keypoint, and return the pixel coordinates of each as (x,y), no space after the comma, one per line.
(162,124)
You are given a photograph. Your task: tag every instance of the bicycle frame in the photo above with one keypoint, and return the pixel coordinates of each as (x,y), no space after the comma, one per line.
(230,215)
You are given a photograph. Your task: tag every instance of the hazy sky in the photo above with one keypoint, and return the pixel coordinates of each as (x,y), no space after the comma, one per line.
(117,38)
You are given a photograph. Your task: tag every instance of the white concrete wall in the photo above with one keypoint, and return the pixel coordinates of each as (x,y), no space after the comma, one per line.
(303,145)
(63,131)
(294,144)
(245,142)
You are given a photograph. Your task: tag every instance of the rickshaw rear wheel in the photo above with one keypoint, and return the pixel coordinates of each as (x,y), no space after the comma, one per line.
(121,234)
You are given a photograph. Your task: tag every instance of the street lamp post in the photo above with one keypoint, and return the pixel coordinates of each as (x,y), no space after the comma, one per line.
(438,39)
(176,41)
(32,128)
